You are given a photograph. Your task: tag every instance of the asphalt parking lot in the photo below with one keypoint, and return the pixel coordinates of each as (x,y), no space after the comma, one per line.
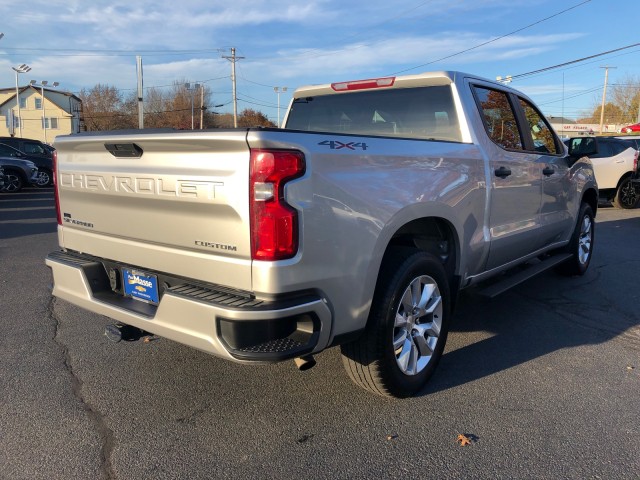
(544,380)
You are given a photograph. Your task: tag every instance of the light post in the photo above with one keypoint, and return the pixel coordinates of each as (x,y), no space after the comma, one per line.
(196,86)
(43,84)
(24,68)
(278,90)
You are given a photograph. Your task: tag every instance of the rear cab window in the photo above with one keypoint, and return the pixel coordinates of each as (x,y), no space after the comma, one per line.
(418,112)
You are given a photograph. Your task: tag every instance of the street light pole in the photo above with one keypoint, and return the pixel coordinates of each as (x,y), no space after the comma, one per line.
(604,96)
(43,84)
(24,68)
(196,86)
(278,90)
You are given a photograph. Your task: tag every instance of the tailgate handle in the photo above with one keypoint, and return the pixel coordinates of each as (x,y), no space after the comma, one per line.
(124,150)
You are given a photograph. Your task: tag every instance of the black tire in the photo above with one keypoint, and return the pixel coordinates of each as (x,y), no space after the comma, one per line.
(581,244)
(12,181)
(385,360)
(626,195)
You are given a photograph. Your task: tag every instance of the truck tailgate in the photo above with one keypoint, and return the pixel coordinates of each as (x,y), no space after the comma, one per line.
(171,202)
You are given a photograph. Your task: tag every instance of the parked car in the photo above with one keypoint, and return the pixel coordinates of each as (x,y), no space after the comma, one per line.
(45,165)
(29,146)
(631,128)
(614,166)
(18,173)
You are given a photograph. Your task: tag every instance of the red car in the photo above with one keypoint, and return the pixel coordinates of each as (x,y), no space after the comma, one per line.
(631,128)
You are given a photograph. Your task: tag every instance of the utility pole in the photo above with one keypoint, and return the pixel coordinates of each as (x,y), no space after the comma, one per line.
(604,95)
(140,90)
(233,60)
(201,105)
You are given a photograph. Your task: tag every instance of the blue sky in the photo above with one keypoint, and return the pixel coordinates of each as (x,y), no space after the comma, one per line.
(286,43)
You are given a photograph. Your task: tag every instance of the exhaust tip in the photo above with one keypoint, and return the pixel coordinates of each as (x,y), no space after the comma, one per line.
(305,363)
(117,332)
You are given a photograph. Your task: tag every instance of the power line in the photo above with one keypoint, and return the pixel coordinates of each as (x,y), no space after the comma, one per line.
(493,40)
(573,61)
(572,96)
(73,52)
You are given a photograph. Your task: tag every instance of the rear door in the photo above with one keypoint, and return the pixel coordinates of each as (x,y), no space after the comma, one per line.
(545,148)
(516,180)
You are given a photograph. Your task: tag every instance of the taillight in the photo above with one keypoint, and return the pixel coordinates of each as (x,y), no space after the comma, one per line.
(274,223)
(55,186)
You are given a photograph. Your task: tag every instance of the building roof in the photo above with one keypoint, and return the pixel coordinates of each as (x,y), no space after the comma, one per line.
(11,92)
(563,120)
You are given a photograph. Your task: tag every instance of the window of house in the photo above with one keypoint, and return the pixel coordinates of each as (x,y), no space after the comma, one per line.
(23,103)
(499,118)
(38,104)
(50,123)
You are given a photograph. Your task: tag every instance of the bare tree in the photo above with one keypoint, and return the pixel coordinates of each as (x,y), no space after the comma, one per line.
(612,114)
(103,108)
(253,118)
(626,96)
(623,105)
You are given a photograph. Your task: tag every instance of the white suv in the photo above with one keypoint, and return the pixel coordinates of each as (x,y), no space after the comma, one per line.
(614,166)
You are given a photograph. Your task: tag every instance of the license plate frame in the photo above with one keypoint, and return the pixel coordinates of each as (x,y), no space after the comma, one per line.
(140,285)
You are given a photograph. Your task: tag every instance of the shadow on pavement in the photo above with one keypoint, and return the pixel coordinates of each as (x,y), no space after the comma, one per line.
(548,313)
(28,212)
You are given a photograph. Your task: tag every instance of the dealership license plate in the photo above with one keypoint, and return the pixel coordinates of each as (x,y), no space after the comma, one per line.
(140,285)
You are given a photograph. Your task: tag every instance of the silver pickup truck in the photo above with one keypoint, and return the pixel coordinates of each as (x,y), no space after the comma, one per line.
(356,225)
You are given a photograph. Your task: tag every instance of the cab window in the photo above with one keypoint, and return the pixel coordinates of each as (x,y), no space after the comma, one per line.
(499,118)
(541,134)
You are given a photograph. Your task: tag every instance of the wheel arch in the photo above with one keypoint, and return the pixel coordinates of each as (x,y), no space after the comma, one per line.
(16,171)
(622,179)
(436,235)
(590,196)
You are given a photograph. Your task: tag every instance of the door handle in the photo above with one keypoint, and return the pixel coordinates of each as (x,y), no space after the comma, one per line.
(548,171)
(502,172)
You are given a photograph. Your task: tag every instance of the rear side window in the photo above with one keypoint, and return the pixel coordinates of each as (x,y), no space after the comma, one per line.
(541,134)
(605,149)
(619,147)
(499,118)
(30,147)
(421,112)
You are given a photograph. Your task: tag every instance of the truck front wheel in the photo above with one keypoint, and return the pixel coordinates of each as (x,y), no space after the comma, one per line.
(407,327)
(581,244)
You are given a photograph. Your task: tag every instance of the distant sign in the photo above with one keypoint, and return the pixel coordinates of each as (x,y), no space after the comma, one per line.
(584,127)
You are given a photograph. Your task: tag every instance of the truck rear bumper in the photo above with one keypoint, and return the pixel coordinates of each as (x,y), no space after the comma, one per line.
(232,325)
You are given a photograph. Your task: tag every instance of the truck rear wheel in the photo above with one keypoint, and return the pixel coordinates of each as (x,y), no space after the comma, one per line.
(407,327)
